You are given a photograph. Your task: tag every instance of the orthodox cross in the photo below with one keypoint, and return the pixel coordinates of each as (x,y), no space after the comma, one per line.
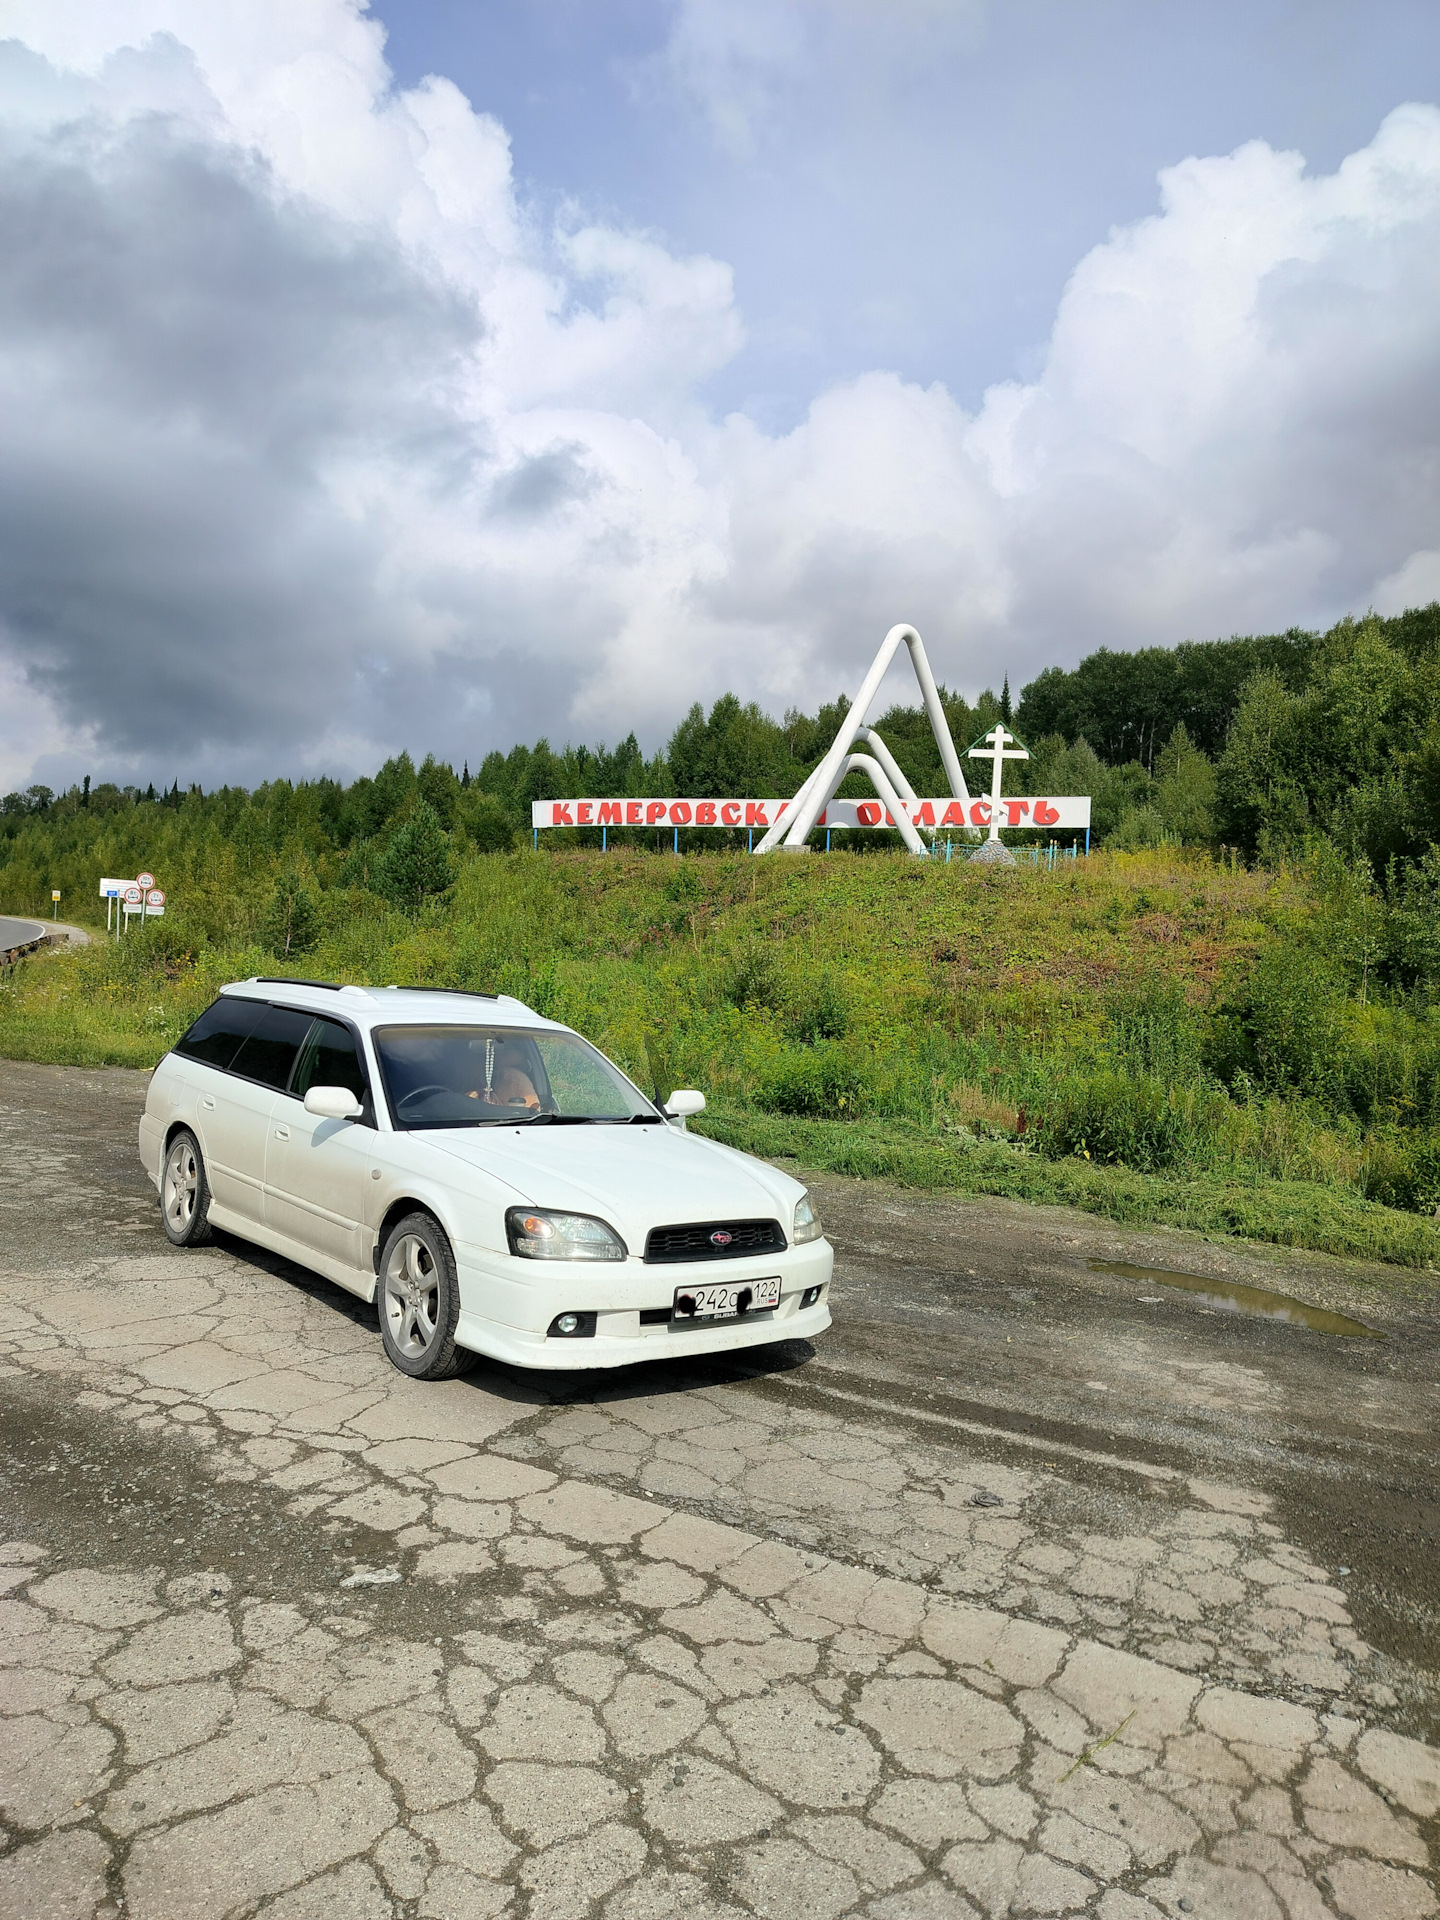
(996,751)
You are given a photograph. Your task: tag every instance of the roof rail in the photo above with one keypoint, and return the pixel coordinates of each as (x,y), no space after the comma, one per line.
(282,980)
(460,993)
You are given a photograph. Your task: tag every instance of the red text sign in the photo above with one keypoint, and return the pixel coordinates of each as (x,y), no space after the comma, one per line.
(1068,812)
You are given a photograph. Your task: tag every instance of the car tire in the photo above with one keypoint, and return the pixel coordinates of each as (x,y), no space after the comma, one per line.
(184,1192)
(417,1301)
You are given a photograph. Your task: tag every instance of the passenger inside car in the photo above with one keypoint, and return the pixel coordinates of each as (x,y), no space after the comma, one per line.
(508,1084)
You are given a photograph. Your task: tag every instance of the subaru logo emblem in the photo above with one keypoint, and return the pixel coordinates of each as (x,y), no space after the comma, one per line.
(720,1238)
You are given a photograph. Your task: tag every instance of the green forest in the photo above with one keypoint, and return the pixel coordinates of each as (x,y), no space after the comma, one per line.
(1228,1017)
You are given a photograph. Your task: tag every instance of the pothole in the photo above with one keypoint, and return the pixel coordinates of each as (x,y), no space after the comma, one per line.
(1234,1296)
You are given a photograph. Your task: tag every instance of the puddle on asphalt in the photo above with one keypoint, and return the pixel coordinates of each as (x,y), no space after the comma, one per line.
(1233,1296)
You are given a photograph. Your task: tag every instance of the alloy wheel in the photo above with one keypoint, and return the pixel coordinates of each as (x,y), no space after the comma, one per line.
(412,1296)
(182,1184)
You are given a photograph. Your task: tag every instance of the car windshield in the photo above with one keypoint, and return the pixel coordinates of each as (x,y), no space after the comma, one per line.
(502,1076)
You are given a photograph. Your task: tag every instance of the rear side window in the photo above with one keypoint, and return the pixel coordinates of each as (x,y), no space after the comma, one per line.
(269,1052)
(216,1036)
(329,1059)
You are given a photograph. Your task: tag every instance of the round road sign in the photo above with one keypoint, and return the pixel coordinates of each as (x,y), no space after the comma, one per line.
(144,879)
(154,897)
(132,896)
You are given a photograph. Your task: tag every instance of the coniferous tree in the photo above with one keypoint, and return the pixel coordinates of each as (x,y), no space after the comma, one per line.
(416,866)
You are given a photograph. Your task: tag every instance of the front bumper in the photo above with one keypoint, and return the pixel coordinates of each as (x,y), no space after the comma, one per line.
(507,1317)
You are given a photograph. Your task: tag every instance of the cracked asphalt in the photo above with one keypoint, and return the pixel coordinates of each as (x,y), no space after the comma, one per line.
(1031,1590)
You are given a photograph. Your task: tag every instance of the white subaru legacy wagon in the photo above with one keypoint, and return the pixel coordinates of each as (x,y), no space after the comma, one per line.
(488,1177)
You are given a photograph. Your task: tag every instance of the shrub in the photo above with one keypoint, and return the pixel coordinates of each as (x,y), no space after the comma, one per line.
(1414,919)
(1154,1029)
(1282,1025)
(1138,1121)
(1403,1170)
(684,884)
(818,1011)
(292,920)
(755,981)
(151,950)
(491,827)
(821,1083)
(1140,828)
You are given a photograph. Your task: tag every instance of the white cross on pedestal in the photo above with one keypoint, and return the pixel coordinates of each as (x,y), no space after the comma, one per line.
(997,751)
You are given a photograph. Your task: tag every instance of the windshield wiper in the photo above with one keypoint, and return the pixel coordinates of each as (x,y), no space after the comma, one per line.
(565,1120)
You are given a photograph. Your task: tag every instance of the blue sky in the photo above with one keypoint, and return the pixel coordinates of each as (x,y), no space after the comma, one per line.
(454,374)
(904,186)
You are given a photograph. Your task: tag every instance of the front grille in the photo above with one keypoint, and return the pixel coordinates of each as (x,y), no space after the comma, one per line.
(747,1237)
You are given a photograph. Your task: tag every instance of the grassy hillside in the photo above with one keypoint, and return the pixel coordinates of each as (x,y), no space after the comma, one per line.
(1152,1036)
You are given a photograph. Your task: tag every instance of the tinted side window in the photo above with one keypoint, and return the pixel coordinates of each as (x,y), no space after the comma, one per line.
(217,1034)
(269,1053)
(329,1059)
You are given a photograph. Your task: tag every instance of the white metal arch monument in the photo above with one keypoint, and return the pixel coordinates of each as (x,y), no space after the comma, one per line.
(879,766)
(786,825)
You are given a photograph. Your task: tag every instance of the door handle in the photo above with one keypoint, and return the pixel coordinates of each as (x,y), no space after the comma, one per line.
(208,1102)
(282,1133)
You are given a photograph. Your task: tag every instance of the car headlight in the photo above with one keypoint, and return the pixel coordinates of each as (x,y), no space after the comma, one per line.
(537,1234)
(807,1222)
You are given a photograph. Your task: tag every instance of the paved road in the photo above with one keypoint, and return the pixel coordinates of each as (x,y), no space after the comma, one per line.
(19,933)
(1023,1593)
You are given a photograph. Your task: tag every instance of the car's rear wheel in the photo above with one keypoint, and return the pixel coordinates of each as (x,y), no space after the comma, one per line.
(418,1301)
(185,1192)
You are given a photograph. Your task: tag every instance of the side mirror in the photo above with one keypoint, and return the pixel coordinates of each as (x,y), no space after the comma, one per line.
(683,1102)
(333,1103)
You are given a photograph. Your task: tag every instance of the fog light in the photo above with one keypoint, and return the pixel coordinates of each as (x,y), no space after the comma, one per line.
(810,1296)
(572,1326)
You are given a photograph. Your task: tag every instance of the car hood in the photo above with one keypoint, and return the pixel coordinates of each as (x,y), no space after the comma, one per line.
(634,1177)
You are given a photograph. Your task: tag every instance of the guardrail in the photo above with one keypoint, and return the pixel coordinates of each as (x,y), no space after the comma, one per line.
(9,955)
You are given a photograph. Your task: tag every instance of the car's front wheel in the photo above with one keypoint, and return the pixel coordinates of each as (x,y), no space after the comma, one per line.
(185,1193)
(418,1300)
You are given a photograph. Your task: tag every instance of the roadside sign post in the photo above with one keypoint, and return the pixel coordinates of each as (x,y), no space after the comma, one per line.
(55,905)
(110,892)
(140,895)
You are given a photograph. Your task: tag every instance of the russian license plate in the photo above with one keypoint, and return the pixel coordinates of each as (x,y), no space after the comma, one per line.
(727,1300)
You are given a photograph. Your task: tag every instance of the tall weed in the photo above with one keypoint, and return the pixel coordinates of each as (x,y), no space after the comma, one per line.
(1139,1121)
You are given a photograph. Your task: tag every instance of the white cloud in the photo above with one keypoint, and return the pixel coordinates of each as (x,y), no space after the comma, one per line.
(1237,428)
(320,443)
(1415,584)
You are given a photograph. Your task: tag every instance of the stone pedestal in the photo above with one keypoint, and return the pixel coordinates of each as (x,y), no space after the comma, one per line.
(993,853)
